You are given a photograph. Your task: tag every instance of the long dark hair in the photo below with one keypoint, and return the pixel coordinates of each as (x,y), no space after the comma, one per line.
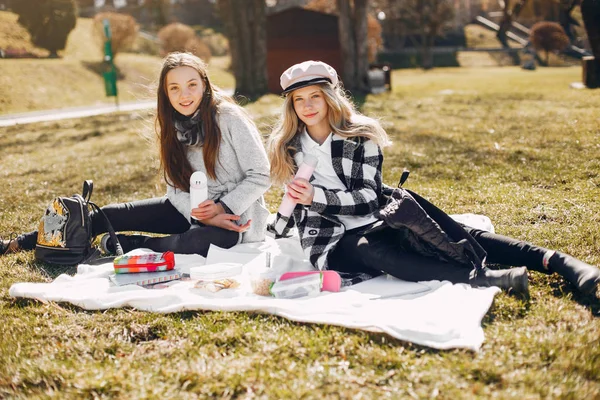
(173,154)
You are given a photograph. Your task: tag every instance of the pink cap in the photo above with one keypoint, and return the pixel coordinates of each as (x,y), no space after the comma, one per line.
(307,73)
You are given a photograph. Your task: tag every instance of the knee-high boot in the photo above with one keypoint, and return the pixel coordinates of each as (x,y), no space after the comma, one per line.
(585,277)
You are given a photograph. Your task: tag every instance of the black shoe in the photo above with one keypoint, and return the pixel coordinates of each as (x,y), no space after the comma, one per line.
(5,247)
(585,277)
(128,242)
(513,280)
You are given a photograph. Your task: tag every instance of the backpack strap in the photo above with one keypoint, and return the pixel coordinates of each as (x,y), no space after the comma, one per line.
(111,231)
(88,188)
(403,177)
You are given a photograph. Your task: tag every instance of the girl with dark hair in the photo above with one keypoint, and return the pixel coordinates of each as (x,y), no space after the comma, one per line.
(199,129)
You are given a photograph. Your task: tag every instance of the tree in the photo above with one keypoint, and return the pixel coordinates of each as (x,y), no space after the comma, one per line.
(180,37)
(159,9)
(245,25)
(429,17)
(508,15)
(565,18)
(173,37)
(426,18)
(373,36)
(352,26)
(590,11)
(548,36)
(49,22)
(123,30)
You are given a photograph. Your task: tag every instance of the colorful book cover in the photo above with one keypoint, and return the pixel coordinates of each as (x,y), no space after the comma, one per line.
(150,262)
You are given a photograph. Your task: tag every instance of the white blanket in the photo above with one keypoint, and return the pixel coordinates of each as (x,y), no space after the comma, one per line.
(435,314)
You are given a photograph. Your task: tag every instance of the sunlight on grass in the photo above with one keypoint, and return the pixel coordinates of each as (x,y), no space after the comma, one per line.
(518,146)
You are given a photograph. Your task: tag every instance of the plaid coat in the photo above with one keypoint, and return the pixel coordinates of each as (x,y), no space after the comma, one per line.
(357,162)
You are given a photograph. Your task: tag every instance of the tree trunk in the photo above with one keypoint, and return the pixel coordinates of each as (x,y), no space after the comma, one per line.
(347,47)
(245,23)
(506,23)
(352,25)
(566,20)
(362,56)
(590,11)
(426,55)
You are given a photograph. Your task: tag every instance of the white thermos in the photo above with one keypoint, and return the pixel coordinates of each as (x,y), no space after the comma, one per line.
(198,189)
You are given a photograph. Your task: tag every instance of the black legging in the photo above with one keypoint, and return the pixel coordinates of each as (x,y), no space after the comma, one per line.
(155,215)
(381,250)
(371,251)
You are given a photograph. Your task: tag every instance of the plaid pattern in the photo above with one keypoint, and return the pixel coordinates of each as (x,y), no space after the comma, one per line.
(357,162)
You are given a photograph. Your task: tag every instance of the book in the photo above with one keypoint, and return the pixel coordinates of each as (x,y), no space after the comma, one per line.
(146,262)
(145,278)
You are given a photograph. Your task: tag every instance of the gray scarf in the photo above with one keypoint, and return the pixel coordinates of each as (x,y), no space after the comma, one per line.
(189,129)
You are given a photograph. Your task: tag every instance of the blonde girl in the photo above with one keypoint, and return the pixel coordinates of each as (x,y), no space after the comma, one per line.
(342,214)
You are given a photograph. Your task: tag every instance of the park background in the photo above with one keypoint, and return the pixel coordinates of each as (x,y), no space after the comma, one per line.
(478,132)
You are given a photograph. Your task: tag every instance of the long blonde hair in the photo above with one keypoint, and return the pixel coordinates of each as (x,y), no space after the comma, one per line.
(343,118)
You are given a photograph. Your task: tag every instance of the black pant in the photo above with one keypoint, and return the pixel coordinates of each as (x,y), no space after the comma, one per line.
(155,215)
(380,250)
(371,251)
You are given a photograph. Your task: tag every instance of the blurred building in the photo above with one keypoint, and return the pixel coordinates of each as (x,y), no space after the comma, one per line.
(290,42)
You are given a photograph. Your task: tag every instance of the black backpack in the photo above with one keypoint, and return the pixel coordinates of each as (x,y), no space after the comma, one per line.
(65,231)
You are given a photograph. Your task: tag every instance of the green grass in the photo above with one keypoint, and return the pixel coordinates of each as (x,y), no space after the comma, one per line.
(75,79)
(517,146)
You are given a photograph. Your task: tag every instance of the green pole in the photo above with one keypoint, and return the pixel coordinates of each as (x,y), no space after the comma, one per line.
(110,74)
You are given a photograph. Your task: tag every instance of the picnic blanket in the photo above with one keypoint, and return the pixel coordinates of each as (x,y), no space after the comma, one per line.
(437,314)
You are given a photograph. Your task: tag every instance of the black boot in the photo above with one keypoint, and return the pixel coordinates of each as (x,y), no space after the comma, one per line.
(128,242)
(10,245)
(585,277)
(5,247)
(513,280)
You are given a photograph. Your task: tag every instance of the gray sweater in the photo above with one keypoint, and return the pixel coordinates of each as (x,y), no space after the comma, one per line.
(242,171)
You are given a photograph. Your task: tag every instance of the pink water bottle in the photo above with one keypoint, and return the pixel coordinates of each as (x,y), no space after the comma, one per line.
(309,163)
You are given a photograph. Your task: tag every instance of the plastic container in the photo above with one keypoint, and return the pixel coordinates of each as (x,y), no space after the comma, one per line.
(330,280)
(307,285)
(261,281)
(216,277)
(216,271)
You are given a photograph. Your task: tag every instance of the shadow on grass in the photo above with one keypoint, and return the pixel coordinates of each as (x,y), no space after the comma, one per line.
(562,288)
(53,271)
(506,307)
(100,67)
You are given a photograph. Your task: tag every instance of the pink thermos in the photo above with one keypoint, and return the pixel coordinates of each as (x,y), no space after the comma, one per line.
(305,171)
